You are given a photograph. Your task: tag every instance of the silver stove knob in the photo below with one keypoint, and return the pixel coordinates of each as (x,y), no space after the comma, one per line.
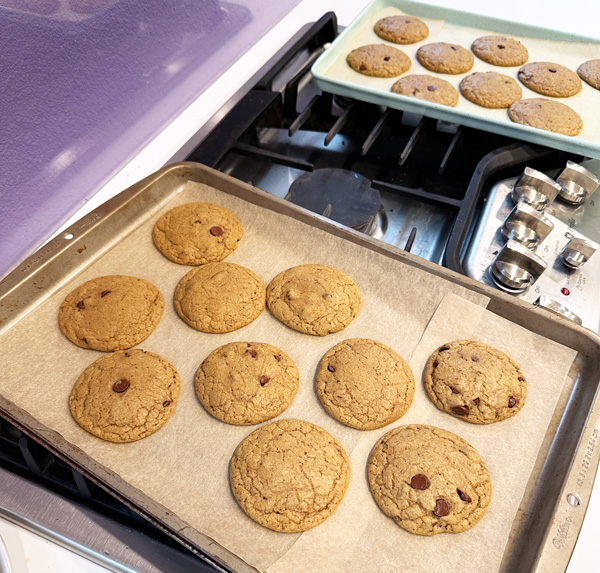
(577,183)
(526,225)
(515,267)
(535,189)
(557,308)
(577,252)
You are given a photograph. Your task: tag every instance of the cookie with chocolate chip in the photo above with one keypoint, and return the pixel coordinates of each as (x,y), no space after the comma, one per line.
(401,29)
(500,50)
(246,383)
(378,60)
(445,58)
(550,79)
(589,72)
(475,382)
(125,396)
(427,88)
(490,89)
(364,384)
(429,480)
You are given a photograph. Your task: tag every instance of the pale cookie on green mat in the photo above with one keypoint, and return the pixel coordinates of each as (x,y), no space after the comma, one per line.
(245,383)
(427,88)
(314,299)
(589,72)
(490,89)
(197,233)
(549,79)
(500,51)
(378,60)
(219,297)
(125,396)
(475,382)
(546,114)
(289,475)
(445,58)
(364,384)
(112,312)
(429,480)
(401,29)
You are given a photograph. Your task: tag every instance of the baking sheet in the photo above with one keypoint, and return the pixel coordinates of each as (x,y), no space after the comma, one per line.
(333,74)
(183,467)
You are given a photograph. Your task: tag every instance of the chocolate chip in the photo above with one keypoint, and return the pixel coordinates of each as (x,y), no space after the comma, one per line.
(277,357)
(331,368)
(80,305)
(435,364)
(216,231)
(442,348)
(460,410)
(552,70)
(84,340)
(104,293)
(127,355)
(463,496)
(454,390)
(166,403)
(362,68)
(415,91)
(475,401)
(386,59)
(264,380)
(198,221)
(475,359)
(453,48)
(501,46)
(512,402)
(521,379)
(442,507)
(431,88)
(419,481)
(121,385)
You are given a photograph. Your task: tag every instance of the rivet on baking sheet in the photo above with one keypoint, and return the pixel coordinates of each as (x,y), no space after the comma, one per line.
(573,500)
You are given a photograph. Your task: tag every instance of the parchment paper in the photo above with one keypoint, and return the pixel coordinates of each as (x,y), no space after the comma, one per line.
(184,466)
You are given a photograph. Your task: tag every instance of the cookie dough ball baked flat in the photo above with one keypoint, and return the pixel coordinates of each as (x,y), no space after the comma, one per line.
(197,233)
(246,383)
(401,29)
(427,88)
(589,72)
(378,60)
(490,89)
(364,384)
(429,480)
(125,396)
(445,58)
(314,299)
(289,475)
(475,382)
(112,312)
(219,297)
(546,114)
(500,50)
(549,79)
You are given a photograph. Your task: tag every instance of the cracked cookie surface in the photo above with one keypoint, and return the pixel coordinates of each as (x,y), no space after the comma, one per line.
(246,383)
(197,233)
(549,79)
(379,60)
(475,382)
(445,58)
(219,297)
(589,72)
(429,480)
(490,89)
(125,396)
(314,299)
(500,50)
(401,29)
(427,88)
(289,475)
(364,384)
(113,312)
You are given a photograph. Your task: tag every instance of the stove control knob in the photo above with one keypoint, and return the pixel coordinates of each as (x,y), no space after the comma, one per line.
(577,252)
(535,189)
(577,183)
(557,308)
(515,268)
(526,225)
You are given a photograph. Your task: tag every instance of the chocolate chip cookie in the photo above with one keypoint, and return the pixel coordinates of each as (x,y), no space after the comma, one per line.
(378,60)
(314,299)
(197,233)
(445,58)
(427,88)
(219,297)
(589,72)
(500,50)
(490,89)
(112,312)
(549,79)
(364,384)
(429,480)
(546,114)
(245,383)
(125,396)
(289,475)
(401,29)
(475,382)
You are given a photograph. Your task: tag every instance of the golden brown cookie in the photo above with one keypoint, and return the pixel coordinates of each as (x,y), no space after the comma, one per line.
(401,29)
(445,58)
(125,396)
(112,312)
(289,475)
(219,297)
(546,114)
(429,480)
(490,89)
(500,50)
(379,60)
(245,383)
(427,88)
(589,72)
(314,299)
(475,382)
(364,384)
(549,79)
(197,233)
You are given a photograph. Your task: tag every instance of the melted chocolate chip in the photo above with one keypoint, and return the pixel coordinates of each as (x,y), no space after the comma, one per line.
(460,410)
(475,359)
(386,59)
(463,496)
(415,91)
(121,385)
(198,221)
(216,231)
(453,48)
(166,403)
(512,402)
(521,379)
(252,353)
(264,380)
(127,355)
(431,88)
(435,364)
(104,293)
(442,348)
(331,368)
(476,401)
(80,305)
(454,390)
(277,357)
(501,46)
(442,507)
(552,70)
(362,68)
(420,482)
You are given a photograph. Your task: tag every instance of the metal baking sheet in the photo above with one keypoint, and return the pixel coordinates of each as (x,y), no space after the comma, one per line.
(550,516)
(332,73)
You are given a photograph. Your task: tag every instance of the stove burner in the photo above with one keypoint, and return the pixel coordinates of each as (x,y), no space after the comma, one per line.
(343,196)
